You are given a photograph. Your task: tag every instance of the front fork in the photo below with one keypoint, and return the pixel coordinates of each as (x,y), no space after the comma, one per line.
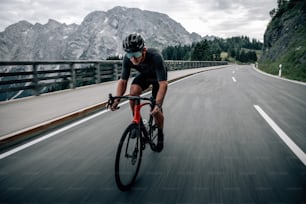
(138,120)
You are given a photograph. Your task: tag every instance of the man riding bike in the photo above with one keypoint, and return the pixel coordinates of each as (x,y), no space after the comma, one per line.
(152,71)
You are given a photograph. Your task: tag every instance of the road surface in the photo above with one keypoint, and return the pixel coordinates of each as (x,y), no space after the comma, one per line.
(218,149)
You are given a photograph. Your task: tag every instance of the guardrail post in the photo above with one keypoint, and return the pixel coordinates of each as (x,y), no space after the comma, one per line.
(35,80)
(98,73)
(115,72)
(280,70)
(73,76)
(171,66)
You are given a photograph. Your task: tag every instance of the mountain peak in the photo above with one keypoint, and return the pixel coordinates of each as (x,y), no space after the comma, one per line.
(53,22)
(20,26)
(118,9)
(97,37)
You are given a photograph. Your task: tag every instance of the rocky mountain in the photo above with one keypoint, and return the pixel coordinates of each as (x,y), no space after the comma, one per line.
(285,40)
(24,41)
(97,37)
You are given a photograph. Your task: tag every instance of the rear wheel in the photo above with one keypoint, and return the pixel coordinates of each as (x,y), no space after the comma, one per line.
(128,157)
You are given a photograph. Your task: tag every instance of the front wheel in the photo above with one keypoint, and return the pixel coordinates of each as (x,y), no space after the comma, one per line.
(128,157)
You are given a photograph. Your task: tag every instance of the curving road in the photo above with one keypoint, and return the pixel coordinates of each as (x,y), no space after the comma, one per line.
(218,149)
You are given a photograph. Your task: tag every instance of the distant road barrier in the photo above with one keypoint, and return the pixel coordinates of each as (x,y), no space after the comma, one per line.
(26,78)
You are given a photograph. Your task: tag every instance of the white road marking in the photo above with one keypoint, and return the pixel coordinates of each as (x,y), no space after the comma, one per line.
(294,148)
(234,79)
(24,146)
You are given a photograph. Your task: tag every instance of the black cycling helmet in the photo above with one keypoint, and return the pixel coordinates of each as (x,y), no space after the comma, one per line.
(133,43)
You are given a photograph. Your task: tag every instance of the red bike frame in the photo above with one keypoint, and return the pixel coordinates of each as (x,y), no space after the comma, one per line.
(137,115)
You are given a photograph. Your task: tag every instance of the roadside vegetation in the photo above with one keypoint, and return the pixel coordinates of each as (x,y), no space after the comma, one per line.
(235,49)
(285,41)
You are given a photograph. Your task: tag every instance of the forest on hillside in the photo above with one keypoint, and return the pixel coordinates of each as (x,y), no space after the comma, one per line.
(241,49)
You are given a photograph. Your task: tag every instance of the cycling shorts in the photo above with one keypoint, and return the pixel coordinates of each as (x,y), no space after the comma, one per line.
(145,82)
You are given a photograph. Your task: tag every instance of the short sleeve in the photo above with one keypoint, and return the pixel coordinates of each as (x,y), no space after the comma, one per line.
(126,69)
(160,68)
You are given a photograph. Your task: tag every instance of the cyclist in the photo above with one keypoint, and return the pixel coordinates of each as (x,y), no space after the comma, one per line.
(152,71)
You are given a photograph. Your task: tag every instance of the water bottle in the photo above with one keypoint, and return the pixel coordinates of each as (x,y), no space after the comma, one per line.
(145,124)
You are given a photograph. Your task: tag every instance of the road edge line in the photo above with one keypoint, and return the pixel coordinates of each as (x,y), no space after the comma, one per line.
(286,139)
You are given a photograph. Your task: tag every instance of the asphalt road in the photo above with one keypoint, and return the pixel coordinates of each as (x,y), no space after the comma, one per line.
(218,149)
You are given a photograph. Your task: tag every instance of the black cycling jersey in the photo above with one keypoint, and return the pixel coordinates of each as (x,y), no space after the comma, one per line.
(152,68)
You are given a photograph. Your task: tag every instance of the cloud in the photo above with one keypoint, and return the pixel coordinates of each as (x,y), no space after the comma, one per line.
(226,18)
(222,18)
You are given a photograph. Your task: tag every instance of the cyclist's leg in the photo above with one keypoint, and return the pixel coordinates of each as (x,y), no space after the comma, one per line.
(159,117)
(138,85)
(159,121)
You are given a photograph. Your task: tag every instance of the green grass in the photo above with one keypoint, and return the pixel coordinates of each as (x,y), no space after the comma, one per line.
(293,64)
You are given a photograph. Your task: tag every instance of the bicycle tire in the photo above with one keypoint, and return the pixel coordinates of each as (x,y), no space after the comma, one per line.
(127,165)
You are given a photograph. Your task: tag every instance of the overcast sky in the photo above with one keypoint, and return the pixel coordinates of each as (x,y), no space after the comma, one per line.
(222,18)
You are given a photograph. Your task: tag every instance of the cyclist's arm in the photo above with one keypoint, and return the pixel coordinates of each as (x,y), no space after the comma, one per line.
(163,86)
(121,87)
(122,82)
(161,73)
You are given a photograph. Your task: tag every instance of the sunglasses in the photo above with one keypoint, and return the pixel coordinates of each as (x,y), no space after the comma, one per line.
(133,54)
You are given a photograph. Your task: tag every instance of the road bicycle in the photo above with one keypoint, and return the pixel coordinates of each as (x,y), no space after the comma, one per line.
(133,141)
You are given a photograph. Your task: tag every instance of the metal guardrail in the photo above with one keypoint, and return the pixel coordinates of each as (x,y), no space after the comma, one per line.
(25,78)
